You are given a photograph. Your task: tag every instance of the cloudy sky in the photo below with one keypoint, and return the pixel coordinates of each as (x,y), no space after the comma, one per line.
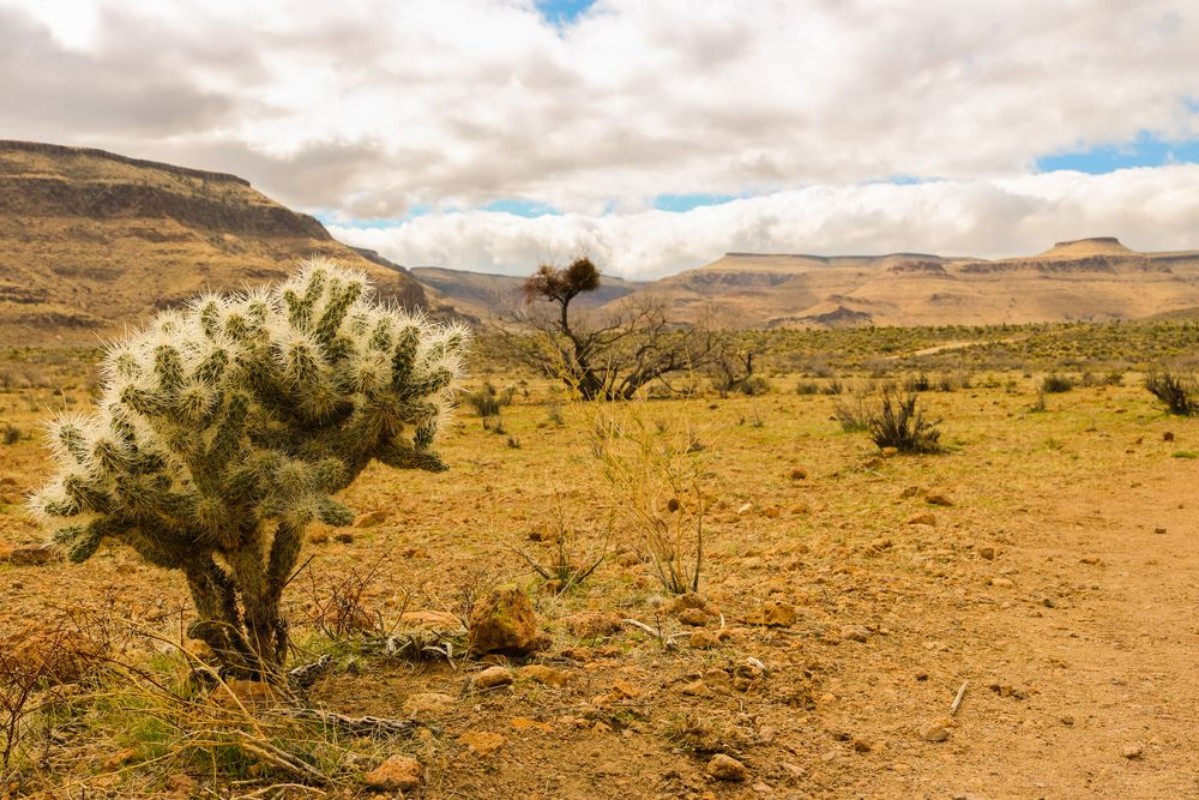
(654,135)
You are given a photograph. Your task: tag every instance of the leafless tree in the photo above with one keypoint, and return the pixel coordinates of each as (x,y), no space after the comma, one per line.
(607,354)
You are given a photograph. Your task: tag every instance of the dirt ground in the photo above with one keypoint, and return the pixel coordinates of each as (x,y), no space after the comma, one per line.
(1048,563)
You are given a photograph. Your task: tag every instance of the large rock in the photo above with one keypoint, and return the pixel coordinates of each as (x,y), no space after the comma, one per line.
(504,622)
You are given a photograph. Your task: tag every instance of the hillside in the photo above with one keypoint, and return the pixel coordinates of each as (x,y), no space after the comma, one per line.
(91,242)
(1088,279)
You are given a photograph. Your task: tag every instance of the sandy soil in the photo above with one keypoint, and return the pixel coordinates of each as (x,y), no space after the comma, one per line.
(1058,584)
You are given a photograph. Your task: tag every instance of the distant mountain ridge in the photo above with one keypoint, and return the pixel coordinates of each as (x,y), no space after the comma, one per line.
(92,242)
(1086,279)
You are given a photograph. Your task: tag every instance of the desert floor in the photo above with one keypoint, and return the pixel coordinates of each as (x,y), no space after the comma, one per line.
(1048,562)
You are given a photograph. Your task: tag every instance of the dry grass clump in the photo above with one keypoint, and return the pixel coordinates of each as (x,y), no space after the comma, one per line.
(1175,393)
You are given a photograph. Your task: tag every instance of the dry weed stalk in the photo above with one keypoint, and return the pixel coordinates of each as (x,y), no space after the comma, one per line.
(578,550)
(654,478)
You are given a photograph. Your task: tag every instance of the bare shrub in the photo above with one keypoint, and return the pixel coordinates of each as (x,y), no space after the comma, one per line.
(1175,393)
(896,422)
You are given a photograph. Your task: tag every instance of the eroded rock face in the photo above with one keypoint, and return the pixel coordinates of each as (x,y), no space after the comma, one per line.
(504,622)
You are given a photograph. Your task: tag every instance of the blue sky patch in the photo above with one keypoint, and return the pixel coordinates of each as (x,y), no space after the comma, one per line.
(563,12)
(520,208)
(686,202)
(1145,151)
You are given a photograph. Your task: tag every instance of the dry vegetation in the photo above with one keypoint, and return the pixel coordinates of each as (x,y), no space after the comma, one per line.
(1044,560)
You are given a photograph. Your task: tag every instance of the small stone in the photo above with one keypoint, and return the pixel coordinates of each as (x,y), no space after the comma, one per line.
(987,553)
(798,474)
(371,519)
(925,518)
(934,498)
(482,743)
(1049,602)
(695,689)
(397,773)
(777,614)
(909,492)
(1002,583)
(862,745)
(546,676)
(727,768)
(120,758)
(1168,436)
(888,452)
(493,678)
(704,640)
(344,537)
(881,544)
(34,555)
(424,704)
(855,633)
(1159,530)
(1133,752)
(936,732)
(592,624)
(772,512)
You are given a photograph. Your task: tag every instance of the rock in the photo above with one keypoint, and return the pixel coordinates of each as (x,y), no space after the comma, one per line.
(935,498)
(482,743)
(526,724)
(718,679)
(397,773)
(987,553)
(1168,436)
(343,537)
(1133,752)
(693,617)
(424,704)
(881,544)
(34,555)
(935,732)
(909,492)
(493,678)
(704,640)
(925,518)
(772,512)
(1159,530)
(861,745)
(504,622)
(546,676)
(727,768)
(1002,583)
(855,633)
(798,474)
(888,452)
(371,519)
(777,614)
(592,624)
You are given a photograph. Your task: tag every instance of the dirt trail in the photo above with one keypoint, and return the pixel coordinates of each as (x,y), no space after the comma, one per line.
(1104,646)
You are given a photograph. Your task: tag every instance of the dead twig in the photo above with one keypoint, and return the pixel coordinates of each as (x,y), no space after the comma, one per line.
(957,701)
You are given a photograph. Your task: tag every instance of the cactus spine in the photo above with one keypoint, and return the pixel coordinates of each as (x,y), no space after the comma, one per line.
(225,429)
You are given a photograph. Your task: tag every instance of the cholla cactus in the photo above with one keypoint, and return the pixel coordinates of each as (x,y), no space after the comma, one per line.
(224,429)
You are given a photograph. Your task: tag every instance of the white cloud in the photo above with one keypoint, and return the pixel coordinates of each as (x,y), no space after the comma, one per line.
(369,108)
(1147,208)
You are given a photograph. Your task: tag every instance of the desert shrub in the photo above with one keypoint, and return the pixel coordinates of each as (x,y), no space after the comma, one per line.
(1054,383)
(834,387)
(852,415)
(754,386)
(486,401)
(225,429)
(918,383)
(1175,393)
(897,422)
(807,388)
